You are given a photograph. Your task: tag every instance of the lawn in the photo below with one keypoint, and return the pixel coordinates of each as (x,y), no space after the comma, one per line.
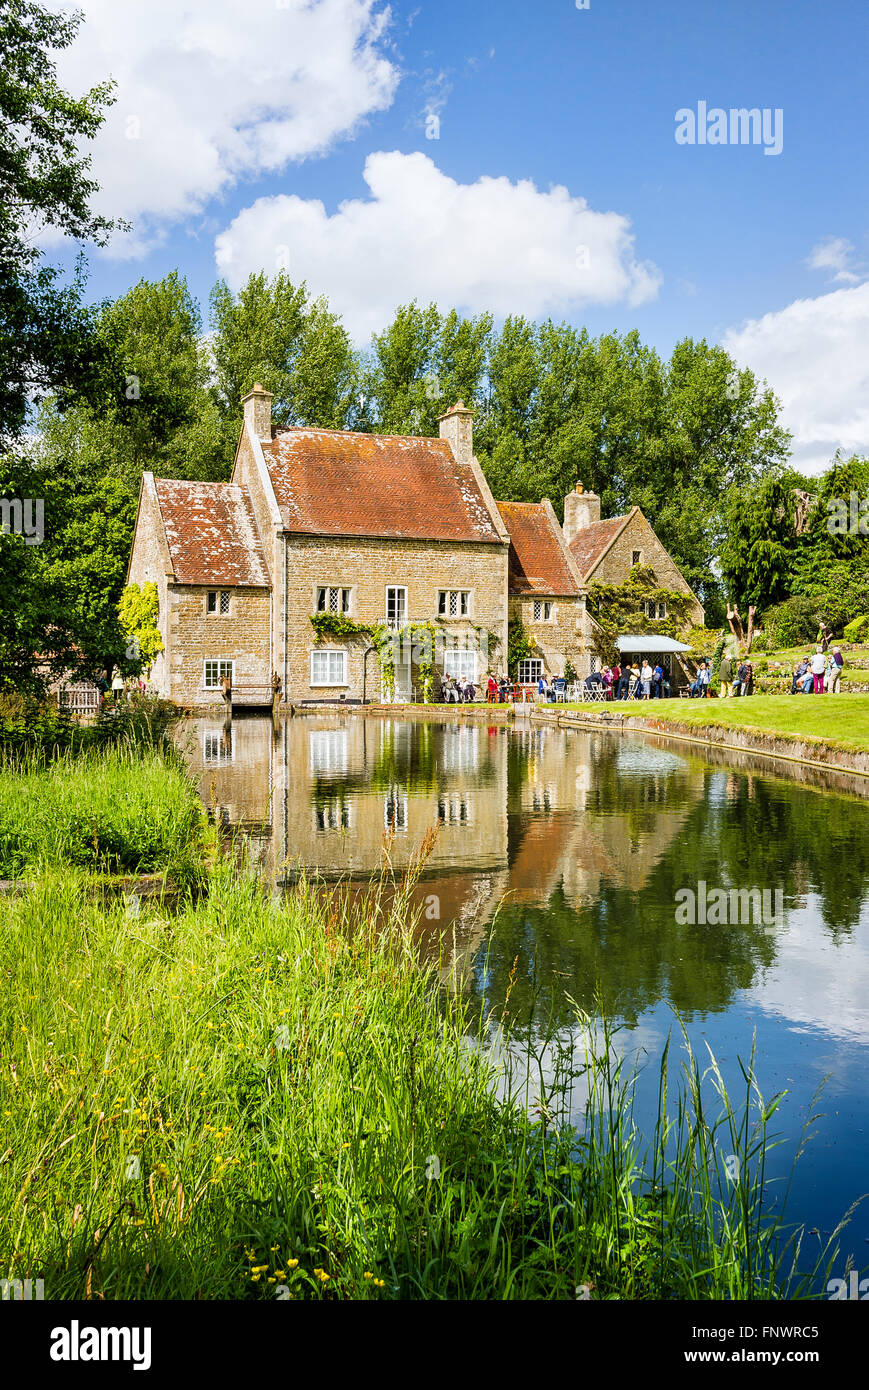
(839,720)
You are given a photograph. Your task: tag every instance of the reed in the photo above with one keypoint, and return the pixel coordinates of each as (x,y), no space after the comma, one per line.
(265,1096)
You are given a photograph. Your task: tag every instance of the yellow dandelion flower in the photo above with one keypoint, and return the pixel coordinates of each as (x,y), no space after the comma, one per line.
(380,1283)
(291,1264)
(368,1274)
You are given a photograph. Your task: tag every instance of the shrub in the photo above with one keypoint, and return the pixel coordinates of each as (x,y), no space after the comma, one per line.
(858,630)
(793,622)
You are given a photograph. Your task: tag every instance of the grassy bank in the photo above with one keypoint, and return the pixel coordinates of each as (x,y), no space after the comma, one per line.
(839,720)
(114,810)
(261,1099)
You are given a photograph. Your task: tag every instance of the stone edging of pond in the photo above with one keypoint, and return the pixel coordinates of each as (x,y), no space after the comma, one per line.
(794,750)
(143,885)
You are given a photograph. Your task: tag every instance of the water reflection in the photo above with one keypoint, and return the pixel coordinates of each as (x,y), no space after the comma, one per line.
(557,861)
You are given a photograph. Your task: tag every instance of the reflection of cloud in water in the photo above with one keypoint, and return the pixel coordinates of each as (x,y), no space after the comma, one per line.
(644,760)
(562,1058)
(814,982)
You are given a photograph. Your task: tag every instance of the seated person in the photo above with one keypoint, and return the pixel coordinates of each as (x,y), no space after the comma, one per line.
(799,673)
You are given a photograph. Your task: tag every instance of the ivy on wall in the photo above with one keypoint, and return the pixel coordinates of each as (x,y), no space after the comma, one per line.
(618,609)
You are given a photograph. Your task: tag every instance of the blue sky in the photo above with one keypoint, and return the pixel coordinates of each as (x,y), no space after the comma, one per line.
(242,131)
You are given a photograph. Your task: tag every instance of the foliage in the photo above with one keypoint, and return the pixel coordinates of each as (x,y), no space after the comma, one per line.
(46,342)
(520,644)
(618,609)
(270,332)
(792,622)
(308,1118)
(858,630)
(114,810)
(138,611)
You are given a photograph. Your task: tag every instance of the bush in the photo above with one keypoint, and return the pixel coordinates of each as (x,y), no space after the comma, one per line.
(792,623)
(858,630)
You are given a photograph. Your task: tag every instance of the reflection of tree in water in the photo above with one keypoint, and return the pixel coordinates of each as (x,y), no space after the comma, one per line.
(625,945)
(775,835)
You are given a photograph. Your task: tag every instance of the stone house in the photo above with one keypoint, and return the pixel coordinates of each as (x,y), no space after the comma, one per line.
(368,529)
(606,551)
(366,532)
(546,591)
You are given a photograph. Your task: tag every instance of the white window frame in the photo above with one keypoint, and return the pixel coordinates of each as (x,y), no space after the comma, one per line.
(217,611)
(220,662)
(537,663)
(462,599)
(546,611)
(329,652)
(456,663)
(328,590)
(224,755)
(396,589)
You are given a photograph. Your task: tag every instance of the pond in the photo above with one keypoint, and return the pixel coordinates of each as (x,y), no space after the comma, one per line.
(585,865)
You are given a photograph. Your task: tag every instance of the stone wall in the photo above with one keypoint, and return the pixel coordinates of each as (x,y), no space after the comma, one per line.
(558,640)
(241,636)
(367,567)
(148,565)
(615,566)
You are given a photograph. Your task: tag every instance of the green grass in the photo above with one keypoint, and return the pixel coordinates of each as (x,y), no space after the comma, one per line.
(115,810)
(841,721)
(259,1098)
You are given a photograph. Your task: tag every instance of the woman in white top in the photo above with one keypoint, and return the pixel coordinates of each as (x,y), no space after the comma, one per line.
(819,665)
(646,677)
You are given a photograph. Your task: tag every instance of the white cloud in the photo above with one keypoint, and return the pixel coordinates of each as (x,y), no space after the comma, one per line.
(835,254)
(213,93)
(815,355)
(490,245)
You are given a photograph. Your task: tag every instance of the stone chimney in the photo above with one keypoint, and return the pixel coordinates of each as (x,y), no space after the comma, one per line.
(457,428)
(581,508)
(258,412)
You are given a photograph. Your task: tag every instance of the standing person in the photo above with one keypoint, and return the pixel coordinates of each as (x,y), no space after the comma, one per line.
(616,677)
(658,682)
(748,687)
(117,686)
(741,678)
(837,661)
(226,687)
(818,666)
(624,682)
(646,674)
(725,675)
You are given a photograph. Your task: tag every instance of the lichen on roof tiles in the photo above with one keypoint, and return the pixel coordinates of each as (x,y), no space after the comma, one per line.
(537,563)
(343,483)
(211,533)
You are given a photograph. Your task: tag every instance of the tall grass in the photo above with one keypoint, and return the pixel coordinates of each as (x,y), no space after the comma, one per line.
(265,1097)
(117,810)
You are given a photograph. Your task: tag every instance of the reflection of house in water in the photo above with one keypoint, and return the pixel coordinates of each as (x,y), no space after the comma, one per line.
(559,837)
(388,782)
(519,813)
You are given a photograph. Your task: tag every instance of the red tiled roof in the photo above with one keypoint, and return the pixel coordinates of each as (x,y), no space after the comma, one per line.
(212,534)
(537,563)
(341,483)
(589,545)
